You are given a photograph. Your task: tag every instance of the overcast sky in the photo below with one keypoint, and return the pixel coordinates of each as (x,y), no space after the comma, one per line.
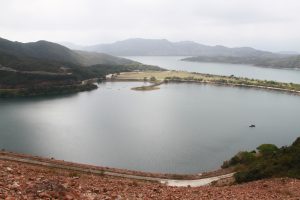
(264,24)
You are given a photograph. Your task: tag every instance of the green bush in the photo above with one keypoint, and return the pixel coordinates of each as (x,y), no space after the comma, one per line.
(152,79)
(270,162)
(267,149)
(242,157)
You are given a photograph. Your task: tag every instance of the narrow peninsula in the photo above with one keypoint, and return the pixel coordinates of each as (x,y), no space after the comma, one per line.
(159,77)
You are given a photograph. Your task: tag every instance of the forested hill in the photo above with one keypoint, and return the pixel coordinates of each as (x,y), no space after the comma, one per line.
(41,63)
(34,54)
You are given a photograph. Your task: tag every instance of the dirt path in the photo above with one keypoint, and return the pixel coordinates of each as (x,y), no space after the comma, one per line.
(195,183)
(169,182)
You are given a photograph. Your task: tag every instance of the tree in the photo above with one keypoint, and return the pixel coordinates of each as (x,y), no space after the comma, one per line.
(152,79)
(267,149)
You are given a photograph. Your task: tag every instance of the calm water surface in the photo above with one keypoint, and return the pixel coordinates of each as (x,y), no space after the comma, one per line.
(174,63)
(181,128)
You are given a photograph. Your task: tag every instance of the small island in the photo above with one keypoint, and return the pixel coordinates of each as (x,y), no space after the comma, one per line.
(146,88)
(153,86)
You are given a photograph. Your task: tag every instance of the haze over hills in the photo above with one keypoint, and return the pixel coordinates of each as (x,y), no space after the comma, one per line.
(196,52)
(163,47)
(288,52)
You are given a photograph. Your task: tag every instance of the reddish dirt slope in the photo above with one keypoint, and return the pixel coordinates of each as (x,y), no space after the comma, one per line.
(24,181)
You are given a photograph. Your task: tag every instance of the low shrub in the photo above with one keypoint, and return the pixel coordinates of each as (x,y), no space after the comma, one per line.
(270,161)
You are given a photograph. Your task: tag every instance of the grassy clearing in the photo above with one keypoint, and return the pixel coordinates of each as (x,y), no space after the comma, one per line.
(159,75)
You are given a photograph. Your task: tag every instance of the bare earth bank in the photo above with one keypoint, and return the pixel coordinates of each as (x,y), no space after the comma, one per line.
(28,181)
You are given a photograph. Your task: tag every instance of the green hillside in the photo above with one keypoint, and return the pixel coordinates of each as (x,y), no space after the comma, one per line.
(43,64)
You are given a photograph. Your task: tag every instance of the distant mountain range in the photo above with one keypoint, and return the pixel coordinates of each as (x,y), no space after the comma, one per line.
(163,47)
(196,52)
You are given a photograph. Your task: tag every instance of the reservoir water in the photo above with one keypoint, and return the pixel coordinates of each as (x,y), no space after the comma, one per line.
(181,128)
(239,70)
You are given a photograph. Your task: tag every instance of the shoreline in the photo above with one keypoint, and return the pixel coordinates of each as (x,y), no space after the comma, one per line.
(49,90)
(100,170)
(216,82)
(88,84)
(21,180)
(243,86)
(296,92)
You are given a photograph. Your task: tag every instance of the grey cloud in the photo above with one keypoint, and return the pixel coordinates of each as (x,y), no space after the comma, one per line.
(266,24)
